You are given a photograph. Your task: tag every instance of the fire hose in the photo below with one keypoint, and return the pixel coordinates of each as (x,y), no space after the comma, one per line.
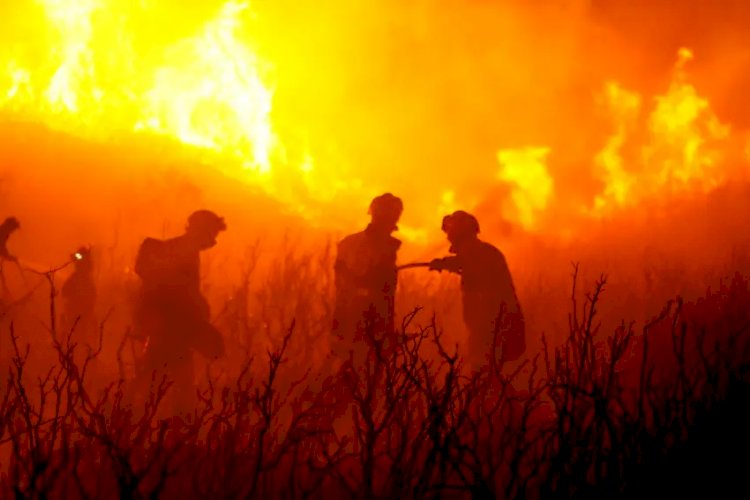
(23,270)
(412,265)
(433,265)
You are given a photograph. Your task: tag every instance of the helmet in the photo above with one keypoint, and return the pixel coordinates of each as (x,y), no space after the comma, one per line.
(205,220)
(386,206)
(11,223)
(82,253)
(460,222)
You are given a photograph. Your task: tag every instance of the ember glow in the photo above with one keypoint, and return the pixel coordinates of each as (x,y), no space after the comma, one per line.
(208,78)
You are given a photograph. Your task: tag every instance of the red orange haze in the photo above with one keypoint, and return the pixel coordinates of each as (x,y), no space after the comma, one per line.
(611,133)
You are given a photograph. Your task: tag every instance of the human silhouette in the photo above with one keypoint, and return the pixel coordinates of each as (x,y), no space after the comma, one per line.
(7,228)
(172,312)
(491,309)
(79,300)
(365,279)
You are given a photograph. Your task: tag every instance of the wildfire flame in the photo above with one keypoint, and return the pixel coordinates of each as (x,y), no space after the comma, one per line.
(223,103)
(204,90)
(526,170)
(92,70)
(683,148)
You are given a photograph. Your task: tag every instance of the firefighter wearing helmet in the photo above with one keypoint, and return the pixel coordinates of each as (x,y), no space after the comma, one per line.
(491,311)
(365,279)
(79,300)
(172,314)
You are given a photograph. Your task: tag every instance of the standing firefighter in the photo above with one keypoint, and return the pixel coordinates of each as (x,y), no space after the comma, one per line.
(8,227)
(365,272)
(491,310)
(79,300)
(173,314)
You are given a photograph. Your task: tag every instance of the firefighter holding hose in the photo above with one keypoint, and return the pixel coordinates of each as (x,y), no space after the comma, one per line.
(491,310)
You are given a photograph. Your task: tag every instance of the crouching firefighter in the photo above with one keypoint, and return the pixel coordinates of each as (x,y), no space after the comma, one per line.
(79,300)
(172,314)
(491,311)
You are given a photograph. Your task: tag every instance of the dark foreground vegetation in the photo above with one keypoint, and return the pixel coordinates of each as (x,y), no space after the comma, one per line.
(658,410)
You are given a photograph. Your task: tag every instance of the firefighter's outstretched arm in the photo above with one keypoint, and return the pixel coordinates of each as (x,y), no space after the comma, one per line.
(147,261)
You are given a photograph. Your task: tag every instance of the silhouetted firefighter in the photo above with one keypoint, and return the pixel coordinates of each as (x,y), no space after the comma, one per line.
(365,273)
(8,227)
(173,314)
(79,300)
(490,304)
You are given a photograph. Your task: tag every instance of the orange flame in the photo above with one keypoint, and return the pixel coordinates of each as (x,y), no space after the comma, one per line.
(683,149)
(95,69)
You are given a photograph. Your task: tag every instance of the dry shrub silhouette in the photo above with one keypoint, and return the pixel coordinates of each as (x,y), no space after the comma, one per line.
(605,414)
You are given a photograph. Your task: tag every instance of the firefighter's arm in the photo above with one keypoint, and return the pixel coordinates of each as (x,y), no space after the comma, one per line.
(341,269)
(366,278)
(141,266)
(382,272)
(345,276)
(202,306)
(6,255)
(348,271)
(450,264)
(379,275)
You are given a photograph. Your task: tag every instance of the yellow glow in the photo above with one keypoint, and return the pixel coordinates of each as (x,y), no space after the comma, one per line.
(210,94)
(618,181)
(526,171)
(682,152)
(107,69)
(413,234)
(205,90)
(448,203)
(73,22)
(682,125)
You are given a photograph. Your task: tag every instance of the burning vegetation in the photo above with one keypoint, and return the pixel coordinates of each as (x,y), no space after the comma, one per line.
(287,348)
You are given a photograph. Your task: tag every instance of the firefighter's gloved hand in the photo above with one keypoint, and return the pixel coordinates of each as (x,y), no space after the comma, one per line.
(445,264)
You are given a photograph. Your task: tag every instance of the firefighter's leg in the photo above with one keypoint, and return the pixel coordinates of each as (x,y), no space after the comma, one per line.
(147,377)
(4,284)
(181,372)
(479,342)
(515,337)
